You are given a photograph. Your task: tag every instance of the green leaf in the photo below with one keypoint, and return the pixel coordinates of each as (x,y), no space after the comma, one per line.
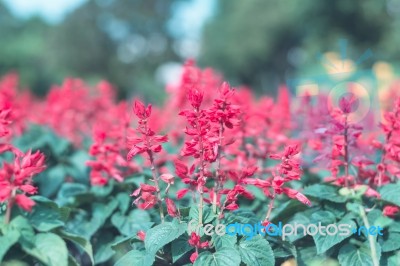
(104,251)
(7,241)
(390,242)
(395,227)
(390,193)
(124,202)
(21,224)
(179,247)
(376,217)
(208,215)
(136,220)
(323,243)
(223,241)
(284,211)
(69,191)
(350,255)
(324,192)
(162,234)
(393,260)
(256,252)
(223,257)
(46,215)
(133,256)
(76,161)
(283,249)
(242,216)
(49,248)
(81,225)
(51,180)
(300,218)
(81,242)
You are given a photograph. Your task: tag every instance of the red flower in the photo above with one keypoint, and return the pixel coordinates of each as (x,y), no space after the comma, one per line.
(391,211)
(24,202)
(171,208)
(141,235)
(195,241)
(167,178)
(146,201)
(194,256)
(141,111)
(181,193)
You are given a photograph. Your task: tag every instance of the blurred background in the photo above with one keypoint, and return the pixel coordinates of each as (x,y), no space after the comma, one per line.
(140,45)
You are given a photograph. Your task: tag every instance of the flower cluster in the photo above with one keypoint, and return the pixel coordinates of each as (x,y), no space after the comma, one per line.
(143,140)
(16,177)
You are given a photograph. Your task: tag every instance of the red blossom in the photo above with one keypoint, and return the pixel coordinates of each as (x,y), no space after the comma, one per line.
(141,235)
(391,211)
(171,207)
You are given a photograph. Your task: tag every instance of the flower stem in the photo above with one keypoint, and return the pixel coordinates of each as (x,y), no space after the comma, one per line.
(155,176)
(10,204)
(217,184)
(346,154)
(270,207)
(371,239)
(201,170)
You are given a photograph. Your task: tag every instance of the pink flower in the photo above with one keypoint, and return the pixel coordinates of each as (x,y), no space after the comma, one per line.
(141,235)
(391,211)
(194,256)
(24,202)
(171,208)
(167,178)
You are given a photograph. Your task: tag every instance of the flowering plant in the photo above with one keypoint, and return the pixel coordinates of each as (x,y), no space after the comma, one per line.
(87,180)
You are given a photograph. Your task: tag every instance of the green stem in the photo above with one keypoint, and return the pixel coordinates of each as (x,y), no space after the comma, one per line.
(371,239)
(9,207)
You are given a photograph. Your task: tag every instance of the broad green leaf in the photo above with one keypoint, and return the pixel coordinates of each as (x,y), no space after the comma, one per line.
(324,192)
(299,218)
(242,216)
(49,248)
(7,241)
(46,215)
(283,249)
(208,215)
(256,252)
(81,242)
(390,242)
(68,191)
(76,161)
(390,193)
(21,224)
(392,260)
(350,255)
(51,180)
(284,211)
(179,247)
(133,257)
(224,241)
(124,201)
(376,218)
(324,217)
(395,227)
(162,234)
(223,257)
(129,225)
(82,225)
(323,243)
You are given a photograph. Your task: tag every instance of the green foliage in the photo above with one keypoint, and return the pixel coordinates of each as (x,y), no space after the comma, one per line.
(89,225)
(223,257)
(256,252)
(351,255)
